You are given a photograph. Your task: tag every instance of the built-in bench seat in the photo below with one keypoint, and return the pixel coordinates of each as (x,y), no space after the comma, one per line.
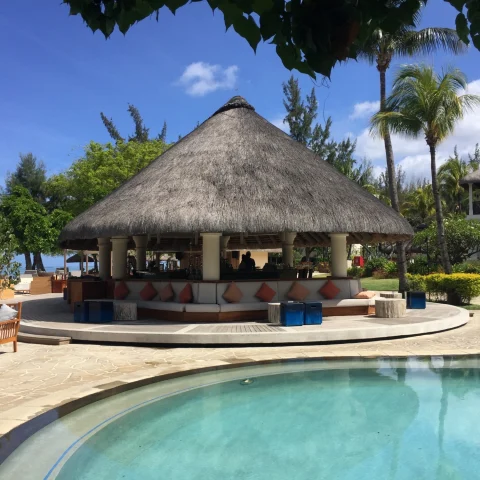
(208,304)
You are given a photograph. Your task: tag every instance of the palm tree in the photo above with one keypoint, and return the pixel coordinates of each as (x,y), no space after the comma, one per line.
(424,102)
(419,206)
(380,50)
(449,176)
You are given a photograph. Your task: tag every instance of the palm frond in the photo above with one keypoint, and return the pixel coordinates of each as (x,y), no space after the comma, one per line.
(429,40)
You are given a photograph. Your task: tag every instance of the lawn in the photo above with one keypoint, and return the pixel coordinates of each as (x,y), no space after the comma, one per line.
(371,283)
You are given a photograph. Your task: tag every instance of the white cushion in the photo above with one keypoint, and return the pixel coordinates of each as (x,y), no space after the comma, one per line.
(207,293)
(348,302)
(7,313)
(22,286)
(202,307)
(249,289)
(167,306)
(243,307)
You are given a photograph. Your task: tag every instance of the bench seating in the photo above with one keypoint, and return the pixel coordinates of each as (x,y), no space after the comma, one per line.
(209,305)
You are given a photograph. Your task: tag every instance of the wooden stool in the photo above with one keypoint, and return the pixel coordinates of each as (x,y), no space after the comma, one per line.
(123,310)
(274,313)
(390,307)
(391,295)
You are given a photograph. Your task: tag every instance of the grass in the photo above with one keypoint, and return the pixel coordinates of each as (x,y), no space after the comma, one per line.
(472,306)
(371,283)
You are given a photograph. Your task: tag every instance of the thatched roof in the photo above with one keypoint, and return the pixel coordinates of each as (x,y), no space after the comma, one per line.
(236,173)
(473,177)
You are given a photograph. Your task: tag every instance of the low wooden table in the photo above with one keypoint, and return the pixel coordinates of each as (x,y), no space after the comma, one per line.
(274,313)
(390,307)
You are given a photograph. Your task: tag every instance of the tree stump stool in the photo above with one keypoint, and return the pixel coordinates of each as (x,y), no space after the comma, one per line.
(390,307)
(274,313)
(124,310)
(391,295)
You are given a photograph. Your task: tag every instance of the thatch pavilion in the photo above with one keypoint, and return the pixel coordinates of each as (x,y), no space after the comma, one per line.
(235,182)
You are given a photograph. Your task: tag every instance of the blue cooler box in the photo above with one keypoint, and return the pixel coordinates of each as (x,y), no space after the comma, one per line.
(417,300)
(313,313)
(100,312)
(292,313)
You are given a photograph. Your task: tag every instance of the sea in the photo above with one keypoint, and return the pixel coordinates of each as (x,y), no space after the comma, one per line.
(51,263)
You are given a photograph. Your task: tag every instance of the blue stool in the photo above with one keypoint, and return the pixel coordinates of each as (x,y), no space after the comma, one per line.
(292,313)
(80,312)
(100,312)
(313,313)
(416,300)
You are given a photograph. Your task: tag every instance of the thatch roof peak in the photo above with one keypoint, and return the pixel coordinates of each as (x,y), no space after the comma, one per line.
(473,177)
(235,102)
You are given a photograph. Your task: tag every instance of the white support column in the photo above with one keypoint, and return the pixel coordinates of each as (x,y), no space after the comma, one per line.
(224,244)
(339,254)
(119,257)
(287,247)
(104,257)
(141,251)
(211,256)
(470,199)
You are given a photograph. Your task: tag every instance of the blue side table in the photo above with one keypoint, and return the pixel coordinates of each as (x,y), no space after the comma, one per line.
(100,311)
(292,314)
(313,313)
(416,300)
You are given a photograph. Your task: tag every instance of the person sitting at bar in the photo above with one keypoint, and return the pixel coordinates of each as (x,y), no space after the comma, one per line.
(250,262)
(243,264)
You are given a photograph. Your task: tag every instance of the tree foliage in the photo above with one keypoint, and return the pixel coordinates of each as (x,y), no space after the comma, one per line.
(310,36)
(30,174)
(9,269)
(102,169)
(463,238)
(301,115)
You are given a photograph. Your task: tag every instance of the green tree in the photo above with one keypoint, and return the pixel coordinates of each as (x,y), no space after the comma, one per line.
(141,132)
(163,133)
(310,36)
(102,169)
(449,176)
(301,118)
(380,49)
(424,102)
(111,128)
(463,238)
(419,206)
(9,269)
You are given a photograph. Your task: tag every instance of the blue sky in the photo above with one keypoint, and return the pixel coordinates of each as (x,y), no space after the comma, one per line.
(57,76)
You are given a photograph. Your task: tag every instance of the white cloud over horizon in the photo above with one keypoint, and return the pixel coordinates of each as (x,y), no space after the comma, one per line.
(412,154)
(201,78)
(364,109)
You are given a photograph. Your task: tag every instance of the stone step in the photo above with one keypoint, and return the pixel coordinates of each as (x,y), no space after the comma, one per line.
(43,339)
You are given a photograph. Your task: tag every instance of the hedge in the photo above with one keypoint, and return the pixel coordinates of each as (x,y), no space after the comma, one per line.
(458,288)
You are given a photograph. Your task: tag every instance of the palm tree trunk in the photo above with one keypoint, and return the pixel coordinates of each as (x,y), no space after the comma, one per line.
(442,244)
(392,186)
(28,260)
(37,258)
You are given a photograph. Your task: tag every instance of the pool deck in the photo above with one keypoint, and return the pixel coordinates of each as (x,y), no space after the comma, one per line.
(51,316)
(44,378)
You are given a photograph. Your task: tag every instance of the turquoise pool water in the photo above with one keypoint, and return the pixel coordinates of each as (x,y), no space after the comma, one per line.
(383,420)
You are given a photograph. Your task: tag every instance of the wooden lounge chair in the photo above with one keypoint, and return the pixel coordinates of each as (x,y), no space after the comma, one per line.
(9,328)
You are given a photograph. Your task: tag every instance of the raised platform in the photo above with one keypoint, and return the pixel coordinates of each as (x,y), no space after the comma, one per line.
(51,317)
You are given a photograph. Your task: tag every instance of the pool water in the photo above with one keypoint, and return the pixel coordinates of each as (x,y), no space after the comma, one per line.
(398,420)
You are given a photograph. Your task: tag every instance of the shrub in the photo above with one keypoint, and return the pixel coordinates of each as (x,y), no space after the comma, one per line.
(458,287)
(374,264)
(467,267)
(416,283)
(418,266)
(356,272)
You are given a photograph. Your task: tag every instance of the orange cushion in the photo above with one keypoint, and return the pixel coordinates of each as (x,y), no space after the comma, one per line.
(265,293)
(166,293)
(232,294)
(186,295)
(329,290)
(121,291)
(148,292)
(298,292)
(364,295)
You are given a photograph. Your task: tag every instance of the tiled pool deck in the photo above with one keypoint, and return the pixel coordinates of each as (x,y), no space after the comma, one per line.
(39,378)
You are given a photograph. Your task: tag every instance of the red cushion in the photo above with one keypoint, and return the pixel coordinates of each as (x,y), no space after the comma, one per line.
(121,291)
(186,295)
(166,293)
(265,293)
(232,294)
(329,290)
(365,295)
(298,292)
(148,292)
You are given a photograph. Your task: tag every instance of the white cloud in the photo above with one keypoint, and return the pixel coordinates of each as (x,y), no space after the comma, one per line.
(364,109)
(200,78)
(413,154)
(280,123)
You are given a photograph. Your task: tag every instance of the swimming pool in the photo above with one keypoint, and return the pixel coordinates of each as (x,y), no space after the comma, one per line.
(375,419)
